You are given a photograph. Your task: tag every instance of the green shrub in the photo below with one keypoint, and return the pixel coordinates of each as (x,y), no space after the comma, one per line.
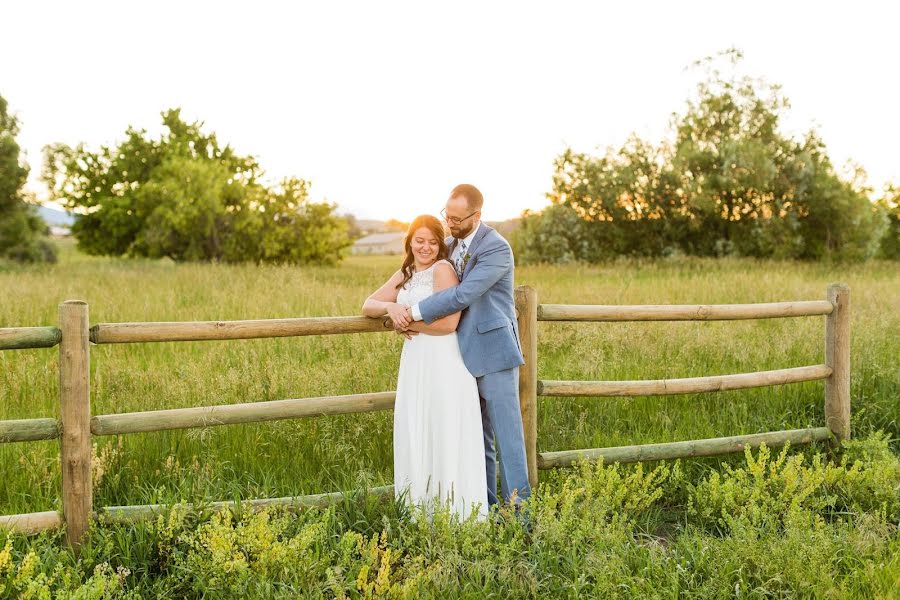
(767,493)
(796,525)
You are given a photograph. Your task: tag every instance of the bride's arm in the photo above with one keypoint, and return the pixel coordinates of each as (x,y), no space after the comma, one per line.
(444,277)
(384,300)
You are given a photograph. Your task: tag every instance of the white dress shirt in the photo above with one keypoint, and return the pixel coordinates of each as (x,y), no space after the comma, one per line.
(416,314)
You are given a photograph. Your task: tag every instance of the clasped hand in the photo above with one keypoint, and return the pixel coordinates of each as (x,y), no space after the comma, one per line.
(401,316)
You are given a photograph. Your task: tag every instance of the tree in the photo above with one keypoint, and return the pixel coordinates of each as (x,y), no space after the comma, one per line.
(729,182)
(628,198)
(754,191)
(556,235)
(22,231)
(837,219)
(299,231)
(889,203)
(190,210)
(187,197)
(354,231)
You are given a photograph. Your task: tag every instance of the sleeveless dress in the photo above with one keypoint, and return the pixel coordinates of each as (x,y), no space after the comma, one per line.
(438,438)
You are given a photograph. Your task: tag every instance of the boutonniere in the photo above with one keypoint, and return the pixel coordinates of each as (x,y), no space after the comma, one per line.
(466,258)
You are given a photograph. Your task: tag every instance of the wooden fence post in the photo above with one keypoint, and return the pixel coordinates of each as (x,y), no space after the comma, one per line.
(837,358)
(75,415)
(527,305)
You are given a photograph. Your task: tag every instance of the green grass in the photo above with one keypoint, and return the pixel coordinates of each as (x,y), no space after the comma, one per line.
(346,452)
(791,525)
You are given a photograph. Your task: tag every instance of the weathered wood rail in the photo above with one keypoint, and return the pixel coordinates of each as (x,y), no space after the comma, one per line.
(77,425)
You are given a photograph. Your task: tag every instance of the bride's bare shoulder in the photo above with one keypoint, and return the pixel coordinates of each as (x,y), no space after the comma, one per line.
(444,264)
(444,270)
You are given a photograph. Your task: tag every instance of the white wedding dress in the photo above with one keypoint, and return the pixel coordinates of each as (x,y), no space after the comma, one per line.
(438,439)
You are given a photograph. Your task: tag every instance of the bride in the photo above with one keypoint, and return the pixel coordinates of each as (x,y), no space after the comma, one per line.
(438,438)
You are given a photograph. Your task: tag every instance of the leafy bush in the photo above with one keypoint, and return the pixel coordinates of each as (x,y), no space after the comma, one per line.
(767,494)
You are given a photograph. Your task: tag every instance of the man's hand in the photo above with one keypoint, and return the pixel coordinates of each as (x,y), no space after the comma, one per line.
(400,315)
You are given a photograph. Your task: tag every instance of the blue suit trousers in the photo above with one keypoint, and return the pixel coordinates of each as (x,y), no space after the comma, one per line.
(501,420)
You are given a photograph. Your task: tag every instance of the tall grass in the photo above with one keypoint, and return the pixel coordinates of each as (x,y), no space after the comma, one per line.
(740,526)
(323,454)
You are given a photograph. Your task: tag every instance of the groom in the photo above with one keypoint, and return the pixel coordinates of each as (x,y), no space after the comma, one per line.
(488,335)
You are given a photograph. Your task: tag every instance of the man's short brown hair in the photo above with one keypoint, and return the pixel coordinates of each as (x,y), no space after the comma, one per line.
(473,197)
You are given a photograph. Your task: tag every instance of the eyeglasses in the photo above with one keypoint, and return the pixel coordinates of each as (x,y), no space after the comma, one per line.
(454,220)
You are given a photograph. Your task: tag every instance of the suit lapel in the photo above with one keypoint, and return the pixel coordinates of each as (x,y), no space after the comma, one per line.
(483,230)
(451,247)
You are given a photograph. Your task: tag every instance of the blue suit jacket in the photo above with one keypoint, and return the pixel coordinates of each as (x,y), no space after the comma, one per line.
(488,332)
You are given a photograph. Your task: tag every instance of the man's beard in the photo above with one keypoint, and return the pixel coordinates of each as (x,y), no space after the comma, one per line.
(463,234)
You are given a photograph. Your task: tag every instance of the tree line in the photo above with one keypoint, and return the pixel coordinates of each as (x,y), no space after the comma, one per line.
(727,183)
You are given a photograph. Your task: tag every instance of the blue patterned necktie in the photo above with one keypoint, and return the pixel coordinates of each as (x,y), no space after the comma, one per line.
(459,258)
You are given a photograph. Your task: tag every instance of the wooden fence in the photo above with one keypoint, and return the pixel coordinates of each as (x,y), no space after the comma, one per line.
(76,424)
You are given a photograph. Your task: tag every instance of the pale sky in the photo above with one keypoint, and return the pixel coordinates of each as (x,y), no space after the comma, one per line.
(385,106)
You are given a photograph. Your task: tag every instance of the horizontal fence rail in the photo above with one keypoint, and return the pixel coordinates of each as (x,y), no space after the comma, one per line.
(42,521)
(688,385)
(32,522)
(686,449)
(190,331)
(143,512)
(28,430)
(16,338)
(76,425)
(681,312)
(248,412)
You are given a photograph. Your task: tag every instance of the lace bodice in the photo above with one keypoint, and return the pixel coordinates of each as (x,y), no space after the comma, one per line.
(419,287)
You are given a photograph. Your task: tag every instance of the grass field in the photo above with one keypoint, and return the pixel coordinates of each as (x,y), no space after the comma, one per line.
(339,453)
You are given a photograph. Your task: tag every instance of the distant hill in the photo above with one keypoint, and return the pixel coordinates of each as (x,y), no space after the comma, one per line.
(370,226)
(507,227)
(55,217)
